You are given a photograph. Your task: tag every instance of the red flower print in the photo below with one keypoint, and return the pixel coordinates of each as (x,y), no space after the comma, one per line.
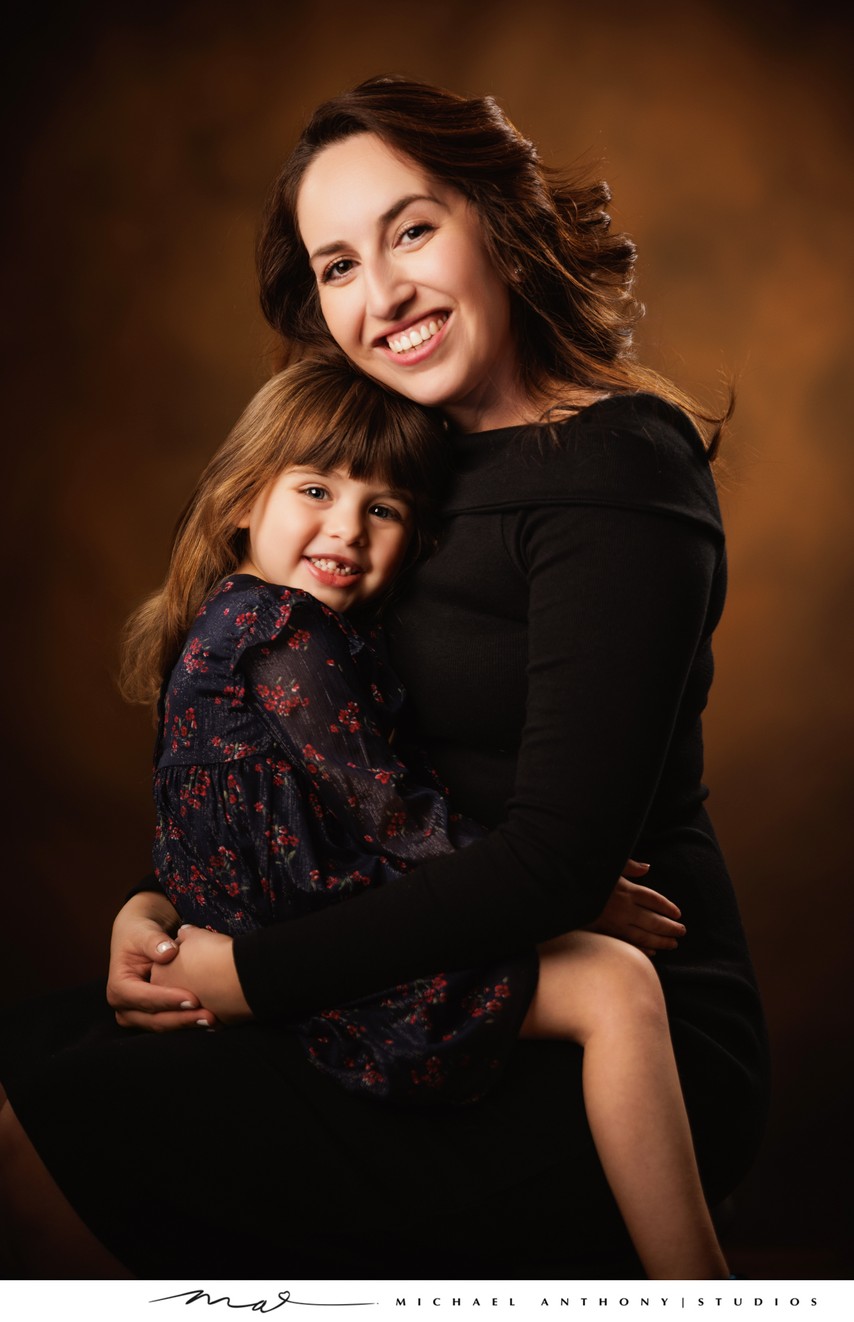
(280,700)
(195,788)
(195,658)
(349,719)
(183,729)
(282,840)
(395,824)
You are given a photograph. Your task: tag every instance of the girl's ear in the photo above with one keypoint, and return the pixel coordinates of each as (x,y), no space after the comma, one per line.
(243,521)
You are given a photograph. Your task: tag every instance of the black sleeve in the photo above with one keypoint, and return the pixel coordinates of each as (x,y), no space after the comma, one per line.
(618,604)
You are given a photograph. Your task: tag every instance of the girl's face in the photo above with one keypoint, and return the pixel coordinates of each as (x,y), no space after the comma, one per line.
(340,539)
(405,283)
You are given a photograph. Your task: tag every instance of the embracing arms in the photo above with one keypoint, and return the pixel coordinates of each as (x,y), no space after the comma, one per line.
(624,585)
(618,604)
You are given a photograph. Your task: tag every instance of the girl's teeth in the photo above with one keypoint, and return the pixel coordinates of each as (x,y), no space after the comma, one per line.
(415,335)
(332,566)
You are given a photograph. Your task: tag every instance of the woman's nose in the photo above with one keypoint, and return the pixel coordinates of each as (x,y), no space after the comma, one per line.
(388,289)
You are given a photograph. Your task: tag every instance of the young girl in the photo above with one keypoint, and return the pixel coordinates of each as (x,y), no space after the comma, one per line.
(279,790)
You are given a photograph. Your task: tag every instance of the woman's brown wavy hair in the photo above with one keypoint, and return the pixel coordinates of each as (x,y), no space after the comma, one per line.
(318,413)
(548,235)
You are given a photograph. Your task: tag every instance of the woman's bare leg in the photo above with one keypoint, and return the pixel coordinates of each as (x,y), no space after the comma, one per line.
(605,995)
(44,1236)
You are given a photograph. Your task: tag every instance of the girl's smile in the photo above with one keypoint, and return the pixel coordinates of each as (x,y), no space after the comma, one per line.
(406,285)
(341,539)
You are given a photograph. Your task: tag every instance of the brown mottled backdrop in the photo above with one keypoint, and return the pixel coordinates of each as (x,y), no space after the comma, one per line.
(141,141)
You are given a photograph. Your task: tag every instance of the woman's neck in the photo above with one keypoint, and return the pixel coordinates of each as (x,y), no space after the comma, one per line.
(556,400)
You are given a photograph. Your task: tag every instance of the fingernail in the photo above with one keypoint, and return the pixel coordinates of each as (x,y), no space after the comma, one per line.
(202,1023)
(187,1005)
(166,945)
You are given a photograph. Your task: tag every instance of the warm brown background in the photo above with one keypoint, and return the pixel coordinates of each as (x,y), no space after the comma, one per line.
(142,138)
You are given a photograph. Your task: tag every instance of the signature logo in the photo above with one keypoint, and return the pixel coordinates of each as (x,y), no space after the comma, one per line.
(260,1305)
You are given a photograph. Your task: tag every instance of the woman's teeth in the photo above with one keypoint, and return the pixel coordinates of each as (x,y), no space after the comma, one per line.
(415,335)
(333,566)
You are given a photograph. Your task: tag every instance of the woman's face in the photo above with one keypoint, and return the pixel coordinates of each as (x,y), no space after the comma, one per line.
(405,283)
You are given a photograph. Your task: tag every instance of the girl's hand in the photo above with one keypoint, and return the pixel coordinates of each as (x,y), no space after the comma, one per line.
(141,942)
(205,963)
(639,915)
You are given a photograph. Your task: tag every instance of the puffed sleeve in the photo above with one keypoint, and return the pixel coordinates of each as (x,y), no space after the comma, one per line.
(619,590)
(329,702)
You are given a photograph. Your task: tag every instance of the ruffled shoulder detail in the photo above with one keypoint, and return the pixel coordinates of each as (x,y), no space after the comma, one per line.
(271,617)
(627,451)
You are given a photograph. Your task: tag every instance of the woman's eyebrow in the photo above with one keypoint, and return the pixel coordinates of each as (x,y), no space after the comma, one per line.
(395,209)
(385,219)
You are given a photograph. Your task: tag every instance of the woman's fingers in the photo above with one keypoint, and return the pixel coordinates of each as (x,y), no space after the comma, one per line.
(166,1021)
(646,898)
(649,942)
(129,991)
(649,921)
(642,916)
(657,933)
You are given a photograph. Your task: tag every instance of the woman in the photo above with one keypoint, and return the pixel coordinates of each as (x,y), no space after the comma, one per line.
(556,650)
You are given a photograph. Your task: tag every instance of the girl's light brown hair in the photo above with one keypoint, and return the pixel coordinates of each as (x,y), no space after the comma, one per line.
(319,413)
(570,279)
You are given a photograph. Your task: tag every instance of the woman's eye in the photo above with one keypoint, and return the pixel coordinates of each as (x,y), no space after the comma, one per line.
(336,270)
(413,233)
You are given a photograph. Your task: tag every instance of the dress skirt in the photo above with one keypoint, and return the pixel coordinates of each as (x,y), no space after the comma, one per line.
(226,1154)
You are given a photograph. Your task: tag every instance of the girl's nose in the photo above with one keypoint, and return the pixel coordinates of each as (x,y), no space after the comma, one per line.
(388,289)
(349,525)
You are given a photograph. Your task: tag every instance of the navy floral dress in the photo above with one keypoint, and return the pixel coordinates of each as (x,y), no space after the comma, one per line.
(278,792)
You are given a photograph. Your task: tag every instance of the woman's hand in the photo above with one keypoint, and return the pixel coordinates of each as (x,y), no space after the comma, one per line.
(205,963)
(141,942)
(639,915)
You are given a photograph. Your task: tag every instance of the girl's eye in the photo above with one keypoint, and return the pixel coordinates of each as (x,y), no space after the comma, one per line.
(386,512)
(336,270)
(315,492)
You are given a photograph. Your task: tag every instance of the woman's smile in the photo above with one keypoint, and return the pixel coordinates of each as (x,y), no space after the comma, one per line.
(416,334)
(406,285)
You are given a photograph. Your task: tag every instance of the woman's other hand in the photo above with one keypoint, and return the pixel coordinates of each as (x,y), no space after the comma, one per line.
(141,942)
(639,915)
(205,963)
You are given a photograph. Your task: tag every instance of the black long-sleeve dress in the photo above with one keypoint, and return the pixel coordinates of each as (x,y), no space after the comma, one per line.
(556,649)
